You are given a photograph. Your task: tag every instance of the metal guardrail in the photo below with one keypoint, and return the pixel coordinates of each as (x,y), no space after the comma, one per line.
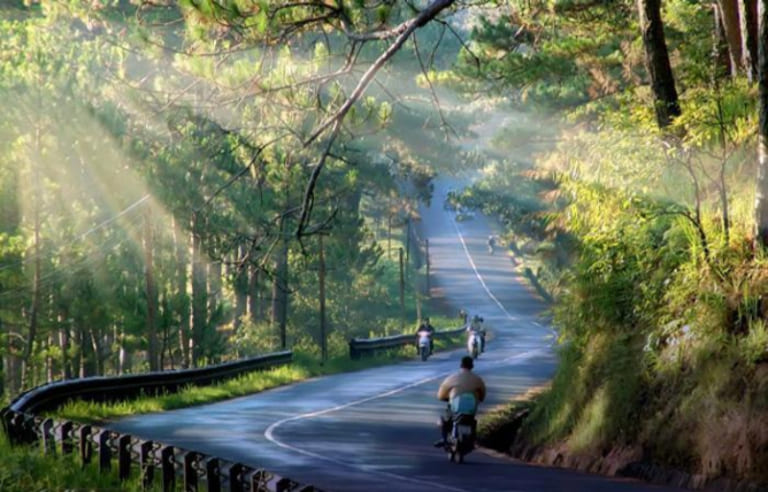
(22,426)
(151,459)
(52,395)
(360,346)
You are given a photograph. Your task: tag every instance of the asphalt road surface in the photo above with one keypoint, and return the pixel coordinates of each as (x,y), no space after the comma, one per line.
(373,430)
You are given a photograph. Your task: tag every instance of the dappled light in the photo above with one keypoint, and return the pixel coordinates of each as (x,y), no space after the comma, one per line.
(191,183)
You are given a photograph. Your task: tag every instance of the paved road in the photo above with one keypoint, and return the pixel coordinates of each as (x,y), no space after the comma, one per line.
(372,430)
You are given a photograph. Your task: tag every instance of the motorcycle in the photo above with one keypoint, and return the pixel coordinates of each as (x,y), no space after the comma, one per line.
(424,344)
(473,344)
(461,439)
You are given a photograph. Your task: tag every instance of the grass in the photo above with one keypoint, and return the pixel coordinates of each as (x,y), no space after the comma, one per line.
(302,368)
(26,468)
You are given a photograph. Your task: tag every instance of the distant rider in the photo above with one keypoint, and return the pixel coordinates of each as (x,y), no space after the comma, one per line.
(427,326)
(477,326)
(464,316)
(491,243)
(463,391)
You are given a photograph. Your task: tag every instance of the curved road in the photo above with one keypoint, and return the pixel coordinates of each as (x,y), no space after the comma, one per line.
(373,430)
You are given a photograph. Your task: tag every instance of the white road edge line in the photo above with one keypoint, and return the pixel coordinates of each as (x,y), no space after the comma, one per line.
(477,273)
(269,433)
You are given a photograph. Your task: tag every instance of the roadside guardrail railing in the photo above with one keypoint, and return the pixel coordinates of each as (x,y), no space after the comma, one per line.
(22,425)
(150,459)
(52,395)
(361,346)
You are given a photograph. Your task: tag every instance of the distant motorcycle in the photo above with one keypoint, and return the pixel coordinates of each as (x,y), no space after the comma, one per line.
(474,342)
(424,344)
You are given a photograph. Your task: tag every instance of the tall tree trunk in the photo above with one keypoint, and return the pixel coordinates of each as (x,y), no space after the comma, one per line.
(721,58)
(151,292)
(241,288)
(98,360)
(280,290)
(66,367)
(323,343)
(10,219)
(48,359)
(761,192)
(748,19)
(182,280)
(3,360)
(657,62)
(199,295)
(37,266)
(255,311)
(86,356)
(214,285)
(732,25)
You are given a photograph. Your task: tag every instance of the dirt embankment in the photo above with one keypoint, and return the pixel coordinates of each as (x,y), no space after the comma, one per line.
(728,468)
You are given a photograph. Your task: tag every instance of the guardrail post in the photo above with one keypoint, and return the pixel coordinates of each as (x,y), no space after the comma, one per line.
(190,473)
(146,463)
(49,445)
(353,352)
(65,434)
(169,471)
(85,445)
(105,452)
(124,457)
(6,417)
(258,480)
(236,478)
(280,484)
(213,474)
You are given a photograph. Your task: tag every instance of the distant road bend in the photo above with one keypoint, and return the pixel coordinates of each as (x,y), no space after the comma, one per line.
(373,430)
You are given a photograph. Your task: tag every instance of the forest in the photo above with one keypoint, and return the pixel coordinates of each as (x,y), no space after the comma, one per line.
(189,182)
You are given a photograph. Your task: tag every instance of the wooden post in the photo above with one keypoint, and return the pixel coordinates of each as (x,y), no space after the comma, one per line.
(146,464)
(86,448)
(124,457)
(190,473)
(65,434)
(166,465)
(323,345)
(49,444)
(236,478)
(105,453)
(402,293)
(213,474)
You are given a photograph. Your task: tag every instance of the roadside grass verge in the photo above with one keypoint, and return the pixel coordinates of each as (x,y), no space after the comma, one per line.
(26,468)
(498,428)
(303,367)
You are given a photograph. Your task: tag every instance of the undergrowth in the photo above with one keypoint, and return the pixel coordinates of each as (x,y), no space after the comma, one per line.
(27,469)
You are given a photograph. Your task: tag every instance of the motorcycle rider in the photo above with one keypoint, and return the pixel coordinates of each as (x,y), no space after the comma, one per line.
(491,243)
(425,325)
(477,326)
(464,316)
(463,391)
